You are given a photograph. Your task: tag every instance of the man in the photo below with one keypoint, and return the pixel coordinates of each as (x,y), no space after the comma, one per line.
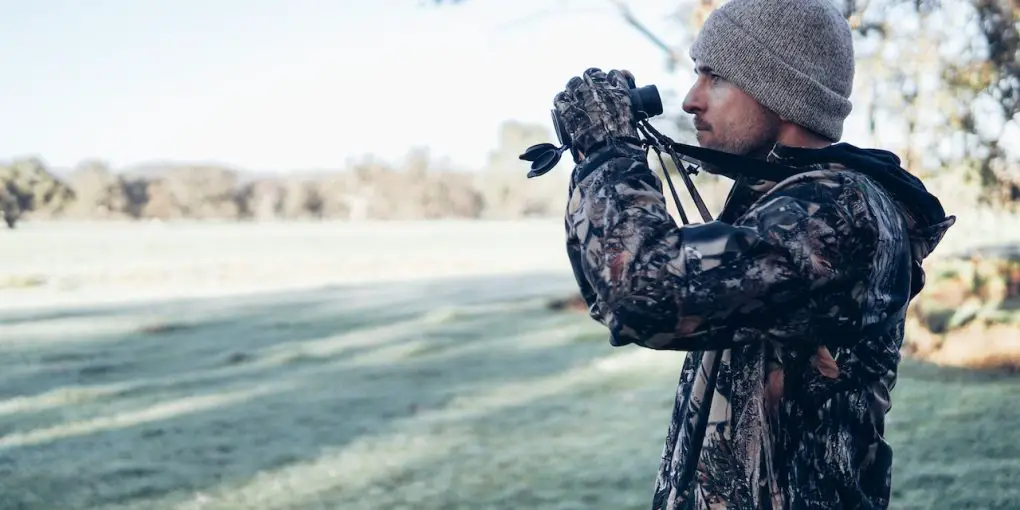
(823,262)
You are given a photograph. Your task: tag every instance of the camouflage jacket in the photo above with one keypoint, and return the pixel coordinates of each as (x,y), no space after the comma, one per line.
(829,257)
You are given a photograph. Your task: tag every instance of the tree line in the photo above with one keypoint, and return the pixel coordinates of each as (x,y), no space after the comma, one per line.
(418,188)
(941,79)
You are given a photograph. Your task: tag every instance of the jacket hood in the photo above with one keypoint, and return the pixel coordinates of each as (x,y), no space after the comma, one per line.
(926,219)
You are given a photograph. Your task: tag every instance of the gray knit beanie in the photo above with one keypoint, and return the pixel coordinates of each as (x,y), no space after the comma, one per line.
(795,57)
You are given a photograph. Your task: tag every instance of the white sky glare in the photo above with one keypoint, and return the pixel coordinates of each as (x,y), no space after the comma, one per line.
(298,84)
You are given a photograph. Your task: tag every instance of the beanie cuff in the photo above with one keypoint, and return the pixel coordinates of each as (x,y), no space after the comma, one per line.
(734,54)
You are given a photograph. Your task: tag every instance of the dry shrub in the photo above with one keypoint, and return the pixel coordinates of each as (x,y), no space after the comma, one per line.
(969,313)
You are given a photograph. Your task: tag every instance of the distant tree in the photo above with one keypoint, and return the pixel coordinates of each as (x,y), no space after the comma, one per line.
(29,188)
(102,194)
(946,74)
(9,208)
(197,192)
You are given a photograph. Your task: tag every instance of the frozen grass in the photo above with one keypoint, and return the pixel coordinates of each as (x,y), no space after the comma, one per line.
(383,387)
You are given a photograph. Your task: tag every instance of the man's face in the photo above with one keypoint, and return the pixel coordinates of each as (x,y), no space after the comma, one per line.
(729,120)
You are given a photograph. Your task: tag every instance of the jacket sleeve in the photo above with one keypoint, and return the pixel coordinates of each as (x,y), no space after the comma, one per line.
(661,286)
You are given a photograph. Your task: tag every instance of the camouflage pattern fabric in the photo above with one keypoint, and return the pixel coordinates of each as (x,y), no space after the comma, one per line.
(596,108)
(824,258)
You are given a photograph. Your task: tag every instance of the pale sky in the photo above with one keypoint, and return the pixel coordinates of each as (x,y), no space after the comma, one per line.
(278,84)
(302,84)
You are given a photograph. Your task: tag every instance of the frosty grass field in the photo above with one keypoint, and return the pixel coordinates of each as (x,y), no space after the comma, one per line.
(371,366)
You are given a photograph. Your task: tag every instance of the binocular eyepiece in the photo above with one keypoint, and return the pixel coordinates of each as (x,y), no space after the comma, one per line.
(645,102)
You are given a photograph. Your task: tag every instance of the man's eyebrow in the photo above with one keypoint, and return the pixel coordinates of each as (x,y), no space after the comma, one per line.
(703,69)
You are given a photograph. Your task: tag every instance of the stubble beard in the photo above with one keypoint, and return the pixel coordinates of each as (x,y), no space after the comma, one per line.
(756,141)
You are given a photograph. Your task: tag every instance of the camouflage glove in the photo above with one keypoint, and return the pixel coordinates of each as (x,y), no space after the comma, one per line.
(595,109)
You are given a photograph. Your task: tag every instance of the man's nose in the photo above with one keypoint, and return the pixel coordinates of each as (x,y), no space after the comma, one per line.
(693,101)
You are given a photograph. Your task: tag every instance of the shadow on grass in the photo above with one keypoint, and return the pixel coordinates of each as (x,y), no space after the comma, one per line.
(448,394)
(220,390)
(159,338)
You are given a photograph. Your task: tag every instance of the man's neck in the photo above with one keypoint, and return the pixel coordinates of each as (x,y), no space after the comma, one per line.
(792,135)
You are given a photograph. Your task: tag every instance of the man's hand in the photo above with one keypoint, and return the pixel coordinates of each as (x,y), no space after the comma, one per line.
(595,107)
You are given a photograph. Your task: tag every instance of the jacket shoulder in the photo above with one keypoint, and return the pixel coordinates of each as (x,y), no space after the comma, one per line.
(839,190)
(817,192)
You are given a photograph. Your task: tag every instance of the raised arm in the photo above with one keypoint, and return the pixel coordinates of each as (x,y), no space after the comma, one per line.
(661,286)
